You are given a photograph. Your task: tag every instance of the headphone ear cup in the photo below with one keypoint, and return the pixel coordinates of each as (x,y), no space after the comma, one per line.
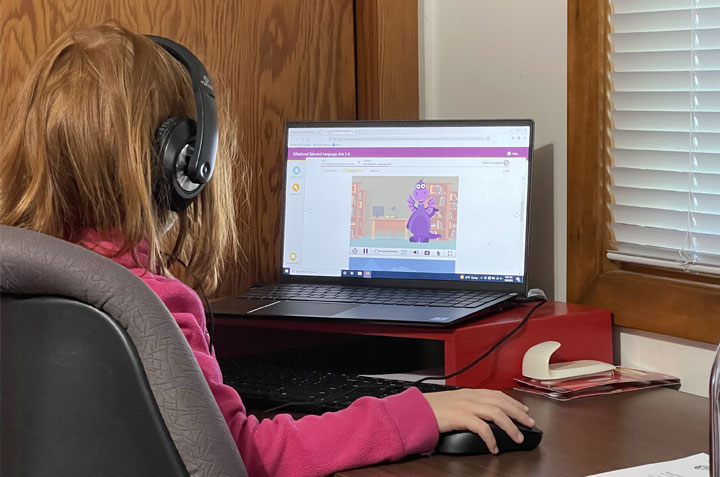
(175,142)
(161,133)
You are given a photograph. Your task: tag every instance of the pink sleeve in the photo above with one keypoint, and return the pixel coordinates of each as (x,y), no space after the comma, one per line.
(367,432)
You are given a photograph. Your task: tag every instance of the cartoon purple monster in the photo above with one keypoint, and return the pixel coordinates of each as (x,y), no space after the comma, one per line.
(419,221)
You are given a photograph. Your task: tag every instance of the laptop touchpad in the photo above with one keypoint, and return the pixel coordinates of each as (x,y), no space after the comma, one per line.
(303,308)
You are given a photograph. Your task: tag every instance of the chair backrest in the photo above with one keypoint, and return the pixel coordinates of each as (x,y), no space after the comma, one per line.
(97,378)
(714,399)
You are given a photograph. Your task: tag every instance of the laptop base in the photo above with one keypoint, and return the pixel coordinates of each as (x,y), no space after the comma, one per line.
(383,314)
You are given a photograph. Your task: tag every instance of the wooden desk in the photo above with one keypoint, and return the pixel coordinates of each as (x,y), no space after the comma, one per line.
(582,437)
(388,224)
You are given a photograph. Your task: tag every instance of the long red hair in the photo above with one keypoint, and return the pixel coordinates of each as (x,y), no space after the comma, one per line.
(80,153)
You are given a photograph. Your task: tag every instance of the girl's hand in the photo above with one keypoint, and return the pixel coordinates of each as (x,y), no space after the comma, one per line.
(465,409)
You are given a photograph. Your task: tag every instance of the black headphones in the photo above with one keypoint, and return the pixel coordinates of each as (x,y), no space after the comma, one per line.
(187,148)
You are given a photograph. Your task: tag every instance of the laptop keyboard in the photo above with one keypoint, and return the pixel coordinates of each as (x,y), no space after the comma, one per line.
(262,386)
(373,295)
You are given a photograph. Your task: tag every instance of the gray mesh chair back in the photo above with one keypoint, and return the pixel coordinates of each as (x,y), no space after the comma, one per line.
(96,377)
(715,416)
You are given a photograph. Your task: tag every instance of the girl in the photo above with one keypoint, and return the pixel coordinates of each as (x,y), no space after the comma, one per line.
(80,163)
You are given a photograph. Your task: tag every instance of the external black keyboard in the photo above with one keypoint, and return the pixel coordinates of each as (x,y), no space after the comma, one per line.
(266,387)
(372,295)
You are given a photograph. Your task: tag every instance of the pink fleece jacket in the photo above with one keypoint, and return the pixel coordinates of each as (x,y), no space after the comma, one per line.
(367,432)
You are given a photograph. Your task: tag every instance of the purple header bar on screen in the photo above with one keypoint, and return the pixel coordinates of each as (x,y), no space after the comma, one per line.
(305,152)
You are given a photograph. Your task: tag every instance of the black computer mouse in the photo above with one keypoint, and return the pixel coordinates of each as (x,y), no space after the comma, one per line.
(467,442)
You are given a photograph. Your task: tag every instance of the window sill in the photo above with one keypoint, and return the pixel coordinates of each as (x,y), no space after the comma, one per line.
(660,304)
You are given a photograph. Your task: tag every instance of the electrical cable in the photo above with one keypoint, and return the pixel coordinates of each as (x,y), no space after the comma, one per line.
(489,351)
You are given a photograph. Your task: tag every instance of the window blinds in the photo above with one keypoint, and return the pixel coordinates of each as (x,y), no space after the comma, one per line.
(665,133)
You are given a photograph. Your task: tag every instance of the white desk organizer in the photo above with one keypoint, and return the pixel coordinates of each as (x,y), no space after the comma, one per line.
(536,364)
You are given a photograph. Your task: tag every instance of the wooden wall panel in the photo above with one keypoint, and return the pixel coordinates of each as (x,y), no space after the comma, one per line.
(386,38)
(277,60)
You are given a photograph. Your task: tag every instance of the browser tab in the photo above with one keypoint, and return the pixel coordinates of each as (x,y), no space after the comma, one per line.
(339,131)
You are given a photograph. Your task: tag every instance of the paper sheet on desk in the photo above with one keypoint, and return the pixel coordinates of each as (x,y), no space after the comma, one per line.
(412,377)
(697,465)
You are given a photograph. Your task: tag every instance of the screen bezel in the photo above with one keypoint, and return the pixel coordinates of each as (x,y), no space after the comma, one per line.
(509,287)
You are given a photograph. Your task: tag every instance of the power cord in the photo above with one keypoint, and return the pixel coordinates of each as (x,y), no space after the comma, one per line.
(492,348)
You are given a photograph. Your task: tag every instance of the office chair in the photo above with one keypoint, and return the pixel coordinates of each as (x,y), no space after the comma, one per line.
(714,399)
(97,378)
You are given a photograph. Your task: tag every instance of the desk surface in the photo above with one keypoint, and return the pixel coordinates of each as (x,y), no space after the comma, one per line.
(585,436)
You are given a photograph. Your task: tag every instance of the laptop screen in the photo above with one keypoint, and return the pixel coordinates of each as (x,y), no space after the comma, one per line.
(422,200)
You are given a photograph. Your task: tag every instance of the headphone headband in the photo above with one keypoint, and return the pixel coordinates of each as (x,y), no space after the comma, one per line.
(202,161)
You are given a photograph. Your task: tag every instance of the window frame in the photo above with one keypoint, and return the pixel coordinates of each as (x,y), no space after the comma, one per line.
(670,302)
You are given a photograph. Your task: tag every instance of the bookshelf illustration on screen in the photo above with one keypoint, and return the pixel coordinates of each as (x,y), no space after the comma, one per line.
(404,211)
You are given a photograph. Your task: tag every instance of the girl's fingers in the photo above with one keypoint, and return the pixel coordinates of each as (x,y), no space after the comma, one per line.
(482,429)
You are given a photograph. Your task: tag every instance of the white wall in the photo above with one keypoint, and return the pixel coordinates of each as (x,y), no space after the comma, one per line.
(691,361)
(508,59)
(492,59)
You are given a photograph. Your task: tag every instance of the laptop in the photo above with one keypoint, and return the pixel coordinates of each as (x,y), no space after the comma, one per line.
(412,222)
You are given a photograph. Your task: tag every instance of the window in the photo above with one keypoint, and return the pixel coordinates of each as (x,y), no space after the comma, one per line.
(644,162)
(665,133)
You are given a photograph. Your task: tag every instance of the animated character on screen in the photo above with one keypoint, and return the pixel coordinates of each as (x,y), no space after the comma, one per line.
(419,221)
